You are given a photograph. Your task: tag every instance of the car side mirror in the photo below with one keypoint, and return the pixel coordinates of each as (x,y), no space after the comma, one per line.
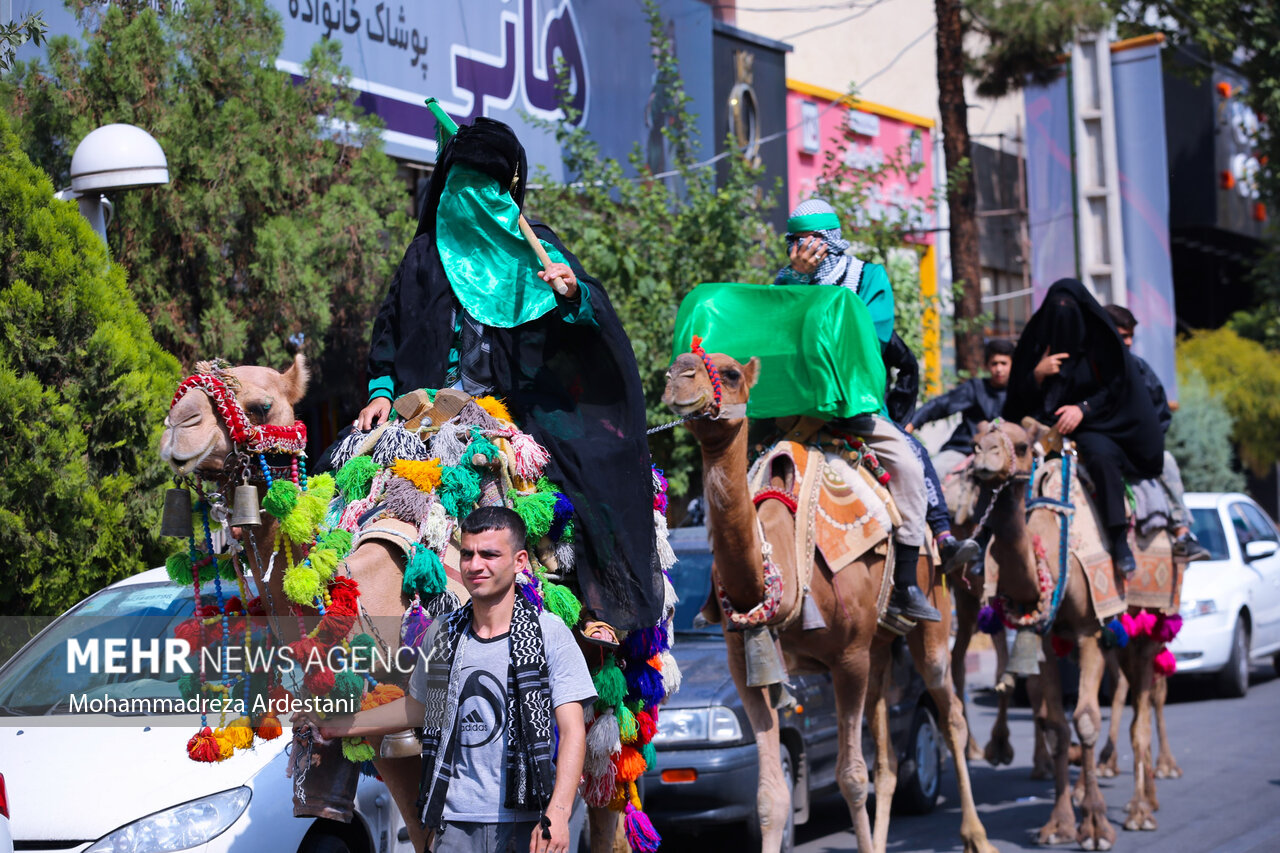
(1258,549)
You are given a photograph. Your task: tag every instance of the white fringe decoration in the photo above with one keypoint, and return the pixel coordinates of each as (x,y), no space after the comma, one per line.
(565,557)
(396,442)
(355,509)
(450,442)
(531,457)
(597,791)
(669,598)
(435,527)
(670,673)
(344,452)
(666,556)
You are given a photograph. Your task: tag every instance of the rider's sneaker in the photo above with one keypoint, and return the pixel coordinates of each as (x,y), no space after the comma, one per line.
(910,602)
(958,553)
(1189,548)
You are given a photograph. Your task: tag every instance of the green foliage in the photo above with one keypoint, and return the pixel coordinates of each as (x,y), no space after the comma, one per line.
(651,241)
(83,393)
(1200,438)
(1246,375)
(14,33)
(270,225)
(1026,38)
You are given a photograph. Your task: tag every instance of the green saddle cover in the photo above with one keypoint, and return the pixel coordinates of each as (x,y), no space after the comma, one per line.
(818,350)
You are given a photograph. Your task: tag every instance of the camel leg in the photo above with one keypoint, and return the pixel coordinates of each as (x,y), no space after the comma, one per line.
(849,679)
(928,645)
(1138,667)
(1042,766)
(886,754)
(1108,759)
(401,776)
(602,828)
(1166,766)
(1096,832)
(999,749)
(1052,728)
(773,804)
(966,621)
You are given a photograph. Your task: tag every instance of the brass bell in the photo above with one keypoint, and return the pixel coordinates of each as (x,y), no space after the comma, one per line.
(244,509)
(764,665)
(176,520)
(402,744)
(1027,653)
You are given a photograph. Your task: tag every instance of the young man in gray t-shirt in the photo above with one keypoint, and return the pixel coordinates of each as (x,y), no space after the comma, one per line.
(461,692)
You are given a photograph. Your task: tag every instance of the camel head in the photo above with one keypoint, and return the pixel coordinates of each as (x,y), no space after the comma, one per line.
(258,402)
(1002,450)
(694,379)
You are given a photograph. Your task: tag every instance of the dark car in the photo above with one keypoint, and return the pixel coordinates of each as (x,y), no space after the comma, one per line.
(706,773)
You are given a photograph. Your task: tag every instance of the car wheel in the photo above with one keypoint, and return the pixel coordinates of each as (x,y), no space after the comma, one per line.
(788,831)
(1233,681)
(918,793)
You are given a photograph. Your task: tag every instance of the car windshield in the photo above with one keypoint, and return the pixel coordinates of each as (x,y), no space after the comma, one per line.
(691,577)
(1207,526)
(36,680)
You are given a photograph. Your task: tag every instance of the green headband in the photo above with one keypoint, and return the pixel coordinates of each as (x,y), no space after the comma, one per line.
(813,222)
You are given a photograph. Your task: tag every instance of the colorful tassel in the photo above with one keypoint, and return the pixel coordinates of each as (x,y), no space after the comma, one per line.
(1144,622)
(644,643)
(269,727)
(425,476)
(178,567)
(348,686)
(281,498)
(646,682)
(424,575)
(324,561)
(1115,635)
(357,749)
(355,478)
(604,740)
(563,514)
(322,486)
(537,510)
(1165,664)
(1167,627)
(302,585)
(991,618)
(610,684)
(531,457)
(338,541)
(628,731)
(459,490)
(319,680)
(629,764)
(203,746)
(641,835)
(598,789)
(563,603)
(671,675)
(494,407)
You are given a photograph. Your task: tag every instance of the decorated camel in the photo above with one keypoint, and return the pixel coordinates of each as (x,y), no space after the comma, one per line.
(1166,766)
(1058,589)
(399,493)
(825,620)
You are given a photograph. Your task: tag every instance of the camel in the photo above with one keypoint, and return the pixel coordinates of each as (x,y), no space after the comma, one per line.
(847,646)
(197,443)
(1003,459)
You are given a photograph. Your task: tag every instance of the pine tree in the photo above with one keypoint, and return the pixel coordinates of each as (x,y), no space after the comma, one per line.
(1200,438)
(83,393)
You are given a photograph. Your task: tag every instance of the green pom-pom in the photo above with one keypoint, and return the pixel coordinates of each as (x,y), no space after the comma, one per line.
(281,498)
(348,686)
(189,686)
(537,510)
(356,749)
(611,685)
(179,567)
(627,728)
(322,486)
(459,489)
(560,601)
(324,561)
(425,573)
(311,506)
(354,479)
(298,528)
(338,540)
(481,445)
(226,569)
(302,585)
(363,648)
(650,755)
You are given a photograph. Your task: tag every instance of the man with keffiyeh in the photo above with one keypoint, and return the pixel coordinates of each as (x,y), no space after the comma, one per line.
(500,691)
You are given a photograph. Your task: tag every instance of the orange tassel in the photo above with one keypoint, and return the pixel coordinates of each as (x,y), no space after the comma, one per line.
(630,764)
(269,727)
(380,695)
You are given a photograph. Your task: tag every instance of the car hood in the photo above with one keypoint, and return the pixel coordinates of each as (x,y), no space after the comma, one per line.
(1216,579)
(704,672)
(79,783)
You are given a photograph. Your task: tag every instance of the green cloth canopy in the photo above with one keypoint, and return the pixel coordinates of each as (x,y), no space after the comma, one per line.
(818,350)
(492,270)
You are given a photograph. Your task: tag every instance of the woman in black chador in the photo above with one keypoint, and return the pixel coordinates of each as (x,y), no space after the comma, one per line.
(1071,369)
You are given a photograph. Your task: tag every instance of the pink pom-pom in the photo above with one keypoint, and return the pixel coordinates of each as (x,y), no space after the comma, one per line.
(1144,622)
(1167,627)
(1165,663)
(1127,621)
(641,835)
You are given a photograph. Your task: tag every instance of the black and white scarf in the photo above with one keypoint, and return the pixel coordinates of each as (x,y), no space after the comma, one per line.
(835,268)
(530,776)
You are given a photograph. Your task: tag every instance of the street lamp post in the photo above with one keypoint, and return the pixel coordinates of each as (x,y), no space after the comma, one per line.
(113,157)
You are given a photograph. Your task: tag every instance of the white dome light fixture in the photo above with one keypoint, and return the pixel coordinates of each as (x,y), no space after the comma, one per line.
(117,157)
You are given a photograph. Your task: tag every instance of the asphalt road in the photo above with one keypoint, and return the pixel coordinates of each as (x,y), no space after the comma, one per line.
(1228,800)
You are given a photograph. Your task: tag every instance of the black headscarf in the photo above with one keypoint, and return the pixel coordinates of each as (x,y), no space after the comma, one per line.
(1100,376)
(573,387)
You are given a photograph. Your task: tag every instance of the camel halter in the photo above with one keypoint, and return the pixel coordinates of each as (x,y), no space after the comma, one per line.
(254,438)
(720,411)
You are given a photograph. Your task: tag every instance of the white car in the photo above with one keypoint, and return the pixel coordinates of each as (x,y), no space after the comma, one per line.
(1230,603)
(106,784)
